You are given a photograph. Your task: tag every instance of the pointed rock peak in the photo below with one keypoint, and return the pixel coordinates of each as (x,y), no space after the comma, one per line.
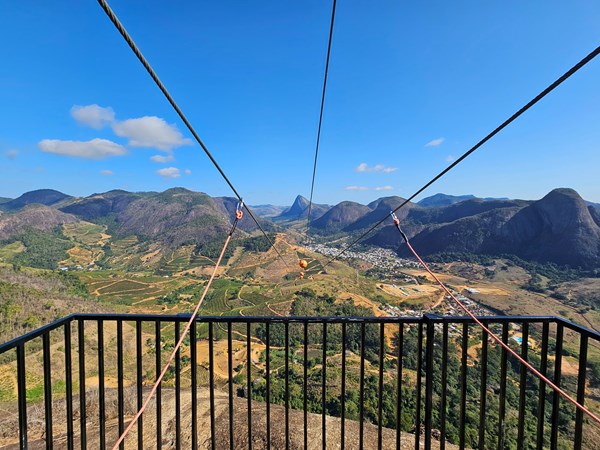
(301,202)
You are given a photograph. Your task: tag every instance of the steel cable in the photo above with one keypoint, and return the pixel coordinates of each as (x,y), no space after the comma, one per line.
(503,125)
(117,23)
(312,186)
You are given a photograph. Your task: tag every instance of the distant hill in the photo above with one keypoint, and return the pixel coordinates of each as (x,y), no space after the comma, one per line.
(340,216)
(379,208)
(268,211)
(46,197)
(98,206)
(4,200)
(38,217)
(559,228)
(299,210)
(438,200)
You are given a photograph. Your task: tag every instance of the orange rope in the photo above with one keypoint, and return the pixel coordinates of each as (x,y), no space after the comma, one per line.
(181,339)
(594,417)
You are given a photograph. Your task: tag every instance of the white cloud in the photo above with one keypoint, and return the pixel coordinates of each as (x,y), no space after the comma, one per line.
(162,159)
(150,131)
(93,115)
(450,158)
(11,154)
(363,167)
(107,173)
(187,171)
(169,172)
(356,188)
(435,142)
(94,149)
(384,188)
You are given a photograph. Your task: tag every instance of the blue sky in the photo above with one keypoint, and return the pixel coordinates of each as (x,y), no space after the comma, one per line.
(79,113)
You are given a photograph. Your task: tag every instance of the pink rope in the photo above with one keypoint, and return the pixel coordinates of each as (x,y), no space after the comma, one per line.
(181,339)
(500,342)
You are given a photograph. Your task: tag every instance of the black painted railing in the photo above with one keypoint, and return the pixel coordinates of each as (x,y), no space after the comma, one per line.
(299,382)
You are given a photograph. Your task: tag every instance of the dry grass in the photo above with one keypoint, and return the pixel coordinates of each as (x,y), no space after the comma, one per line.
(9,425)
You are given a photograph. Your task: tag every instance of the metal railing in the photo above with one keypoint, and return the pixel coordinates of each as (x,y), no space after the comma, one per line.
(299,382)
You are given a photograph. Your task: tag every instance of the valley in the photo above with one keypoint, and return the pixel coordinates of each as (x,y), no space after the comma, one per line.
(114,261)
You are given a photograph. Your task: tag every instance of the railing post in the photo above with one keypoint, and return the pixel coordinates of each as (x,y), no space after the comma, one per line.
(583,354)
(22,396)
(429,320)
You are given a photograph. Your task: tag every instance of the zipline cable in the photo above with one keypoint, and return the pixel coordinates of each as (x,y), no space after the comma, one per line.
(494,337)
(312,186)
(504,124)
(117,23)
(183,335)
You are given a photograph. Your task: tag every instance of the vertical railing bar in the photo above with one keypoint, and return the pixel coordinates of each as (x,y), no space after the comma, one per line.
(138,359)
(211,374)
(324,390)
(343,393)
(177,388)
(120,382)
(305,386)
(399,387)
(194,383)
(362,388)
(230,383)
(542,387)
(523,386)
(268,378)
(22,396)
(82,400)
(69,385)
(483,388)
(429,381)
(444,381)
(556,381)
(419,386)
(158,370)
(47,390)
(502,399)
(583,354)
(287,384)
(249,385)
(380,394)
(101,395)
(463,385)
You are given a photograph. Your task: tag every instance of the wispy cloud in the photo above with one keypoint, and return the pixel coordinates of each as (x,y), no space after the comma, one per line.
(94,149)
(356,188)
(162,158)
(107,173)
(450,158)
(187,171)
(169,172)
(93,115)
(11,154)
(151,132)
(364,167)
(436,142)
(384,188)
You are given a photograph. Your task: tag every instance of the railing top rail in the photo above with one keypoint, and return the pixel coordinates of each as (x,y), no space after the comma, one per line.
(314,319)
(34,334)
(578,328)
(294,319)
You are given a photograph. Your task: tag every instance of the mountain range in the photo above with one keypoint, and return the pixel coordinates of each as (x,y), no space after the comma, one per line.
(174,217)
(561,227)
